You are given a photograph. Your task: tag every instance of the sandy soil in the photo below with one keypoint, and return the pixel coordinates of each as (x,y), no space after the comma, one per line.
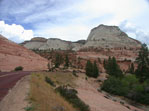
(87,91)
(15,100)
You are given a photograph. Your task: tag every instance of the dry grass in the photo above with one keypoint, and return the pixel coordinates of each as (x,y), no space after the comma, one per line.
(43,96)
(62,78)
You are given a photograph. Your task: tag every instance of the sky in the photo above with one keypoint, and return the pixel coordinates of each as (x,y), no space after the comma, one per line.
(72,19)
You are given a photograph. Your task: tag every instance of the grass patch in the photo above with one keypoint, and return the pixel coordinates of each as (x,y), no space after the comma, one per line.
(43,96)
(62,78)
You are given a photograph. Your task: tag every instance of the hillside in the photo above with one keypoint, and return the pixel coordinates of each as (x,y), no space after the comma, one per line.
(13,55)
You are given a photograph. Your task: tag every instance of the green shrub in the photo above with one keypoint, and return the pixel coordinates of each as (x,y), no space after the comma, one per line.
(49,81)
(74,73)
(71,96)
(19,68)
(29,108)
(114,85)
(129,87)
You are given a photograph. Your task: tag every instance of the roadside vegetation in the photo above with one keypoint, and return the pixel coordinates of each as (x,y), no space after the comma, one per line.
(47,93)
(43,97)
(19,68)
(134,86)
(71,96)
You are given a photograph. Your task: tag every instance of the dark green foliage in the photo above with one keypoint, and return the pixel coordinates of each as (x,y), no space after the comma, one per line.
(114,85)
(112,68)
(142,71)
(66,61)
(95,70)
(49,67)
(128,86)
(71,96)
(131,69)
(58,60)
(19,68)
(29,108)
(99,60)
(74,73)
(92,69)
(89,68)
(49,81)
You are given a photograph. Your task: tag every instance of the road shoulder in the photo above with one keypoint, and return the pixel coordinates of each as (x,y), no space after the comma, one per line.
(15,100)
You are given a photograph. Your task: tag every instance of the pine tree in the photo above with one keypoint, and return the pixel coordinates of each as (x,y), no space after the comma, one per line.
(131,69)
(112,67)
(142,70)
(105,64)
(58,60)
(89,68)
(66,61)
(95,70)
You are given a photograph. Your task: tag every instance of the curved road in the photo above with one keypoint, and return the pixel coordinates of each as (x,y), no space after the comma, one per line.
(8,80)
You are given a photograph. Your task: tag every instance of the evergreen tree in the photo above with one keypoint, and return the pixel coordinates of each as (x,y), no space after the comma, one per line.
(49,68)
(89,68)
(95,70)
(105,64)
(58,60)
(131,69)
(66,61)
(143,63)
(113,68)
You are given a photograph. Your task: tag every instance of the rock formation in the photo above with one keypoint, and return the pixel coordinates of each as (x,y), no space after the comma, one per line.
(110,37)
(100,37)
(52,43)
(13,55)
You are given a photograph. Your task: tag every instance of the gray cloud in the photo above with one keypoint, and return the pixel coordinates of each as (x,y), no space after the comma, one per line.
(139,33)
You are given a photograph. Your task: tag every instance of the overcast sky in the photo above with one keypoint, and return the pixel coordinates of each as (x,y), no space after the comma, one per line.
(72,19)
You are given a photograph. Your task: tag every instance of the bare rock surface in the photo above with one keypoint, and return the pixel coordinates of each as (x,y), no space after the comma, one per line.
(13,55)
(15,100)
(87,91)
(52,43)
(109,37)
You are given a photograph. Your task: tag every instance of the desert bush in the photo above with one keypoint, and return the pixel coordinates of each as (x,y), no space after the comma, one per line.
(19,68)
(71,96)
(49,81)
(74,73)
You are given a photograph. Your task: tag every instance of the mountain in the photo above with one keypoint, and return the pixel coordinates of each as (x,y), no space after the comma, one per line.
(102,36)
(13,55)
(102,42)
(110,37)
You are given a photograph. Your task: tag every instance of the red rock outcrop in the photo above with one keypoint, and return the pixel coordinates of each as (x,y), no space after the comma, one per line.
(13,55)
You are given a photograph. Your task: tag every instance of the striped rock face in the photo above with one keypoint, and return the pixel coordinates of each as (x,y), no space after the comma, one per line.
(13,55)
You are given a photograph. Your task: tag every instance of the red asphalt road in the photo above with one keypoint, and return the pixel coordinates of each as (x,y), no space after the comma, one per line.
(8,80)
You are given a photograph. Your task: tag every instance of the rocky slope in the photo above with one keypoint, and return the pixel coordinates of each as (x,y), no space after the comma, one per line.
(13,55)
